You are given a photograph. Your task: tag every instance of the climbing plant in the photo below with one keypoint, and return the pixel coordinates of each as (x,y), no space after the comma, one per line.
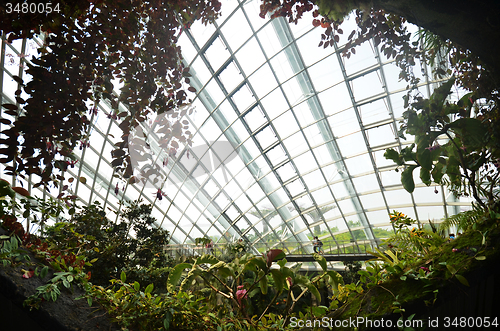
(88,48)
(466,160)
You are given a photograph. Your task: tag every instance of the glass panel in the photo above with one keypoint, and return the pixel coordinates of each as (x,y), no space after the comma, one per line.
(352,144)
(274,104)
(381,135)
(322,154)
(282,66)
(255,118)
(250,56)
(217,54)
(308,43)
(314,179)
(344,123)
(326,73)
(364,58)
(276,155)
(286,125)
(215,92)
(374,200)
(374,111)
(252,8)
(236,30)
(367,86)
(322,196)
(397,198)
(303,113)
(305,162)
(286,172)
(230,77)
(201,32)
(263,81)
(366,183)
(295,144)
(295,187)
(359,164)
(201,71)
(266,137)
(188,50)
(243,98)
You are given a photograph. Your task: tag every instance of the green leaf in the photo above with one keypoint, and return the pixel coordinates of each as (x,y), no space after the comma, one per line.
(167,320)
(321,260)
(441,93)
(89,301)
(256,262)
(263,282)
(195,271)
(206,259)
(462,279)
(424,155)
(149,288)
(451,269)
(481,258)
(137,286)
(44,272)
(425,176)
(407,178)
(472,131)
(334,279)
(314,291)
(279,280)
(437,172)
(391,154)
(123,277)
(216,266)
(175,275)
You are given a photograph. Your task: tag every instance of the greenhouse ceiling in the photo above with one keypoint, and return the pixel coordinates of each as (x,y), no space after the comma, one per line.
(288,139)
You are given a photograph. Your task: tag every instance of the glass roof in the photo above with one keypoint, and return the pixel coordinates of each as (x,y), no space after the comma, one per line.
(288,139)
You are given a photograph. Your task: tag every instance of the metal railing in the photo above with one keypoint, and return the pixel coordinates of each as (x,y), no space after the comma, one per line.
(294,248)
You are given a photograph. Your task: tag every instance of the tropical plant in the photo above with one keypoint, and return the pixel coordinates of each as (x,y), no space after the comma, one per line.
(468,154)
(110,246)
(465,220)
(238,282)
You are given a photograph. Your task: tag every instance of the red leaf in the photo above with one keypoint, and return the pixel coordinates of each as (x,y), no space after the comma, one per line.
(28,273)
(10,106)
(21,191)
(272,255)
(10,112)
(192,89)
(352,34)
(18,79)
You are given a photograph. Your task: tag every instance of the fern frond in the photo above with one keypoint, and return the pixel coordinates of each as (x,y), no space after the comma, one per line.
(463,220)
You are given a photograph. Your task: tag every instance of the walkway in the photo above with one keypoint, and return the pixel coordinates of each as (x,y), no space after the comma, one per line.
(295,252)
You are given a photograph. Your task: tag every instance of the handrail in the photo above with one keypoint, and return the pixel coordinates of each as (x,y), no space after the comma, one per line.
(295,248)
